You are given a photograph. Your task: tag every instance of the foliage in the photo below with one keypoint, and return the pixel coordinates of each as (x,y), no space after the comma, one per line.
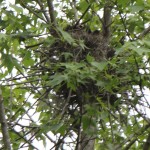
(67,72)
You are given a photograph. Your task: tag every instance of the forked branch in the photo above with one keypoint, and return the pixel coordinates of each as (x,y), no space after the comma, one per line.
(43,10)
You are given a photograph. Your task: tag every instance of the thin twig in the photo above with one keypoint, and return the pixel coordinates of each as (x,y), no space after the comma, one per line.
(77,23)
(24,138)
(43,10)
(133,138)
(32,11)
(66,104)
(110,119)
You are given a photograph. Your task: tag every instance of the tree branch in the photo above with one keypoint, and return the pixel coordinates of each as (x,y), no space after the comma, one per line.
(32,11)
(24,139)
(77,23)
(130,144)
(73,5)
(66,104)
(43,10)
(4,126)
(147,143)
(107,20)
(51,12)
(133,138)
(144,33)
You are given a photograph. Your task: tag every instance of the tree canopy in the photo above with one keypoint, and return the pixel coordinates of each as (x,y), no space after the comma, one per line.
(75,74)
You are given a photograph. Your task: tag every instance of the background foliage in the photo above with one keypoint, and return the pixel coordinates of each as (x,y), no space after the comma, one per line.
(57,89)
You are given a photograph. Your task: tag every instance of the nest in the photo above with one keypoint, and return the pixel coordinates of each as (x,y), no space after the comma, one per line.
(96,46)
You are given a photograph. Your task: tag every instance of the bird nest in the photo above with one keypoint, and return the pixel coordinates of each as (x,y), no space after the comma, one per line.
(86,43)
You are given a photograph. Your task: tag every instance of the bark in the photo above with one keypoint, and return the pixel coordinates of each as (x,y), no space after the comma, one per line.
(107,20)
(87,141)
(86,137)
(4,126)
(144,33)
(51,12)
(147,144)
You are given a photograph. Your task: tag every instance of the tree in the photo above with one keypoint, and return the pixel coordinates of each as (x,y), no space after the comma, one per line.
(75,74)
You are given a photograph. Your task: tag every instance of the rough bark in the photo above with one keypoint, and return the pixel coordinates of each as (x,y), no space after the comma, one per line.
(4,126)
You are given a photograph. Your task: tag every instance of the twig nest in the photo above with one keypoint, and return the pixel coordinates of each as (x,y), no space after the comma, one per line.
(95,43)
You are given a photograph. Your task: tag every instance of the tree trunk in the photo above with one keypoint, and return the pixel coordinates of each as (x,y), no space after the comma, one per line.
(4,126)
(87,141)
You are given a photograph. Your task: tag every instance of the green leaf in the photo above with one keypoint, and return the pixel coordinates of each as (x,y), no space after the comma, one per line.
(101,83)
(16,8)
(81,44)
(10,62)
(57,79)
(90,58)
(56,127)
(67,55)
(86,120)
(99,65)
(126,46)
(123,2)
(27,60)
(83,5)
(141,50)
(67,37)
(146,42)
(3,36)
(62,129)
(73,66)
(136,8)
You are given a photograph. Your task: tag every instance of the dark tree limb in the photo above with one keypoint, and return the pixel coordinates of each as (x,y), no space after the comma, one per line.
(132,139)
(130,144)
(77,23)
(34,45)
(24,139)
(31,10)
(51,12)
(107,19)
(78,145)
(4,126)
(147,143)
(66,104)
(144,33)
